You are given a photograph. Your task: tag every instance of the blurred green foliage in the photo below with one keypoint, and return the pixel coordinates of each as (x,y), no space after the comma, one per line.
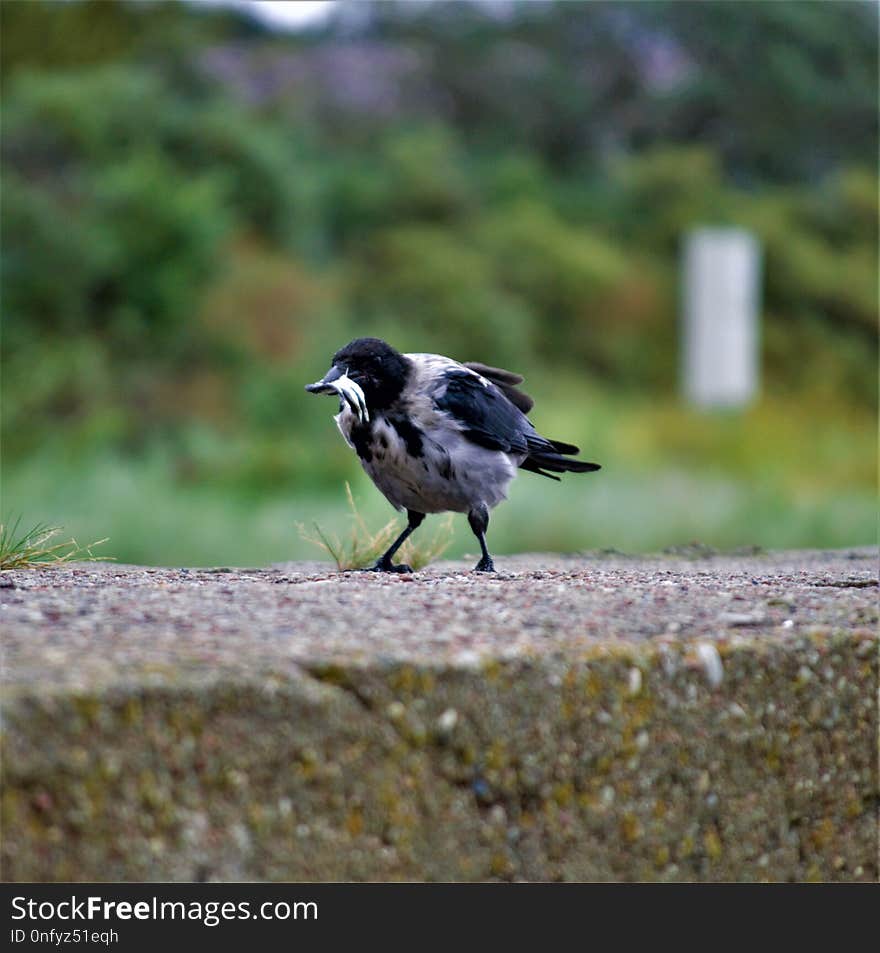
(197,214)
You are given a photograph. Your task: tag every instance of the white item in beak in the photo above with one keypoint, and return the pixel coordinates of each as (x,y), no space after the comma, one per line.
(352,394)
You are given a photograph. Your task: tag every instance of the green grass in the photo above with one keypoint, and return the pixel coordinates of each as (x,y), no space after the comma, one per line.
(39,546)
(786,473)
(361,546)
(151,519)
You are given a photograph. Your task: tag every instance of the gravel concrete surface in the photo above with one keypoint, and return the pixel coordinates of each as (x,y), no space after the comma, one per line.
(100,621)
(685,716)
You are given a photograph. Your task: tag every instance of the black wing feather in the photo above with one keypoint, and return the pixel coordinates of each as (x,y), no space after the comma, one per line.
(491,420)
(506,381)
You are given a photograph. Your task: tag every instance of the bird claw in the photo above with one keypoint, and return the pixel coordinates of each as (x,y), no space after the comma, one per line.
(387,566)
(485,565)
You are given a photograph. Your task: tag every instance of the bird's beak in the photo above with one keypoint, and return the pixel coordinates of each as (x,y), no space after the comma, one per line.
(337,381)
(326,385)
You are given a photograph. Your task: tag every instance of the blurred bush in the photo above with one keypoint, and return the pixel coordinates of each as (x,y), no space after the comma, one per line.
(197,213)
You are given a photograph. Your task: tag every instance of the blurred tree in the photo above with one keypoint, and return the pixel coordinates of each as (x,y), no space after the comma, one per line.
(47,34)
(120,195)
(146,182)
(782,91)
(439,285)
(197,212)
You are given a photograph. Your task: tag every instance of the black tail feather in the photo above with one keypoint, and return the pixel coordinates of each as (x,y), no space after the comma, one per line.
(529,464)
(540,462)
(568,448)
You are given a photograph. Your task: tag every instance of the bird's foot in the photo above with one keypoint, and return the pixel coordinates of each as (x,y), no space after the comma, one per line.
(385,565)
(485,565)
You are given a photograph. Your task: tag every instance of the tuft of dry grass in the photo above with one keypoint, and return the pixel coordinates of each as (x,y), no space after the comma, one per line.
(26,550)
(363,546)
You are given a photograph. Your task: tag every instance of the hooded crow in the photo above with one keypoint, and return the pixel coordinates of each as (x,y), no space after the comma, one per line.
(435,435)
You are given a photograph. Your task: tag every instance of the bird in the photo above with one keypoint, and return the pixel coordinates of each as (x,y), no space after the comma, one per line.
(436,435)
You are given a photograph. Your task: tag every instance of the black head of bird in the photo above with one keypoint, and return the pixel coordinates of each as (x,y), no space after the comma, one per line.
(374,366)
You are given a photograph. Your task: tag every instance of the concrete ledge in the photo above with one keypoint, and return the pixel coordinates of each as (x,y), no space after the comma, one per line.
(747,756)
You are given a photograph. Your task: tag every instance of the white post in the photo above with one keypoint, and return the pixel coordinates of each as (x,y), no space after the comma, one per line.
(721,276)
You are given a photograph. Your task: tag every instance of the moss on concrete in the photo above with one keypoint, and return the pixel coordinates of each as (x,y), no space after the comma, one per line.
(617,761)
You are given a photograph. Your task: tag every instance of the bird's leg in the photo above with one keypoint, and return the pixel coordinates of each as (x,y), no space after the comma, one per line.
(479,523)
(383,563)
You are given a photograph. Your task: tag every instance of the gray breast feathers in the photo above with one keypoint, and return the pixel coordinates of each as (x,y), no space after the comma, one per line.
(445,472)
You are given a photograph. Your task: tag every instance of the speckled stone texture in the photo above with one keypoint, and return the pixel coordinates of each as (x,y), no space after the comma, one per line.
(599,717)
